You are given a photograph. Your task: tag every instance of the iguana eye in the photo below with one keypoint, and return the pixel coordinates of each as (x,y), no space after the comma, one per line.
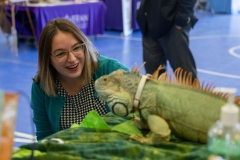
(105,79)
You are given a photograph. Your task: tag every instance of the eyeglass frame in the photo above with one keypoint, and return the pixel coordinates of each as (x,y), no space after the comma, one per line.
(68,51)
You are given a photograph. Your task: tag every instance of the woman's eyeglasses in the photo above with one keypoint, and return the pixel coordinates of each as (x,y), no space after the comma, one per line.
(62,55)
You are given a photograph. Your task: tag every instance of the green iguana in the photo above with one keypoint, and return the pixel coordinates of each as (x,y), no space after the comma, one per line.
(180,106)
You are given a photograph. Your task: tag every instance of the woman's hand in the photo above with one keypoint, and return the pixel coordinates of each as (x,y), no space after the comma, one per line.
(178,27)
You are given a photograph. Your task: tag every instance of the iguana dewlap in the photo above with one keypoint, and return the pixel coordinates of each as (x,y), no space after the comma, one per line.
(164,107)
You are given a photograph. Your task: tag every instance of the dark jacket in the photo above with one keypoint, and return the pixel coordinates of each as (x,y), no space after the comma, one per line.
(158,16)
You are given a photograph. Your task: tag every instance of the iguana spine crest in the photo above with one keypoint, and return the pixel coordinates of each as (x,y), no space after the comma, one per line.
(185,79)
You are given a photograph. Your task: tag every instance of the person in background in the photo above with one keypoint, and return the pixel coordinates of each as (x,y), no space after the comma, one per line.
(63,89)
(165,26)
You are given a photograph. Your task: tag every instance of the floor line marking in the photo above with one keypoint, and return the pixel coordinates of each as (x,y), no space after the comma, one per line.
(24,140)
(218,74)
(18,62)
(191,37)
(120,37)
(232,51)
(213,36)
(24,135)
(199,70)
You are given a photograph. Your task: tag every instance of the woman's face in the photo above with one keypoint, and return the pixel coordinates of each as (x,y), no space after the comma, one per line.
(67,56)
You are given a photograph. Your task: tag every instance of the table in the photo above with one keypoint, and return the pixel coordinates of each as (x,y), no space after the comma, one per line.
(91,143)
(114,14)
(88,16)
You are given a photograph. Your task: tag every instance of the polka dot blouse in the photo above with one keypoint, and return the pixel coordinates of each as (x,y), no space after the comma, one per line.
(77,106)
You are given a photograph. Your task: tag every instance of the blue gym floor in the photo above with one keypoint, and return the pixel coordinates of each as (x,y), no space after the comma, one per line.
(215,43)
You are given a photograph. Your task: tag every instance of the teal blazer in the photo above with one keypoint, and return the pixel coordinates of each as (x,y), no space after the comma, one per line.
(47,109)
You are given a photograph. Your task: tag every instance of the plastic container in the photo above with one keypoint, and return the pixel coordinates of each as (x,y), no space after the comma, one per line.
(224,136)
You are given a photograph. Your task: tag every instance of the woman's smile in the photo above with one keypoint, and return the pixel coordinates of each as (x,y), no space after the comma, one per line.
(73,67)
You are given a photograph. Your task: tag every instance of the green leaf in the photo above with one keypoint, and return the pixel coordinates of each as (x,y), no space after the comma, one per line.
(94,120)
(75,125)
(127,127)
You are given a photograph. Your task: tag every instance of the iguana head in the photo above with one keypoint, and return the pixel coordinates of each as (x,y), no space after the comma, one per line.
(118,89)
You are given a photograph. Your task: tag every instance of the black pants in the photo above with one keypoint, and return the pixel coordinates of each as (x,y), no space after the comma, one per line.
(174,47)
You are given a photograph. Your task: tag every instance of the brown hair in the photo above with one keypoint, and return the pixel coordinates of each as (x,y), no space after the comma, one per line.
(46,72)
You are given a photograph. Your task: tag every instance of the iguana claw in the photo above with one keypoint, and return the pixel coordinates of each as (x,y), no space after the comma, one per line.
(141,139)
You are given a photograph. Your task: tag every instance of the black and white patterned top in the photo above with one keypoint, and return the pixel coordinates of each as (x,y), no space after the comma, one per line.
(77,106)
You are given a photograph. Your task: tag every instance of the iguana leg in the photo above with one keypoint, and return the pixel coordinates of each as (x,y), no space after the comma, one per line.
(160,131)
(139,123)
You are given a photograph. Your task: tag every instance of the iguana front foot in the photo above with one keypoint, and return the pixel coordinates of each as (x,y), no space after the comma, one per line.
(150,138)
(141,139)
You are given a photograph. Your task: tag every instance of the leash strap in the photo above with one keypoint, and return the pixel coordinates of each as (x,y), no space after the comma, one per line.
(139,91)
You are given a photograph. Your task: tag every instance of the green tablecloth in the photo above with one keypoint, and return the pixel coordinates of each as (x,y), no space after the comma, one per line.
(84,143)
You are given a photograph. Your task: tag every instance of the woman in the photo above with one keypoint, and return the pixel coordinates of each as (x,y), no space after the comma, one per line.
(63,90)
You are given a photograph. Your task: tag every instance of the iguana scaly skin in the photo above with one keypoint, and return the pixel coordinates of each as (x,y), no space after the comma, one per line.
(186,111)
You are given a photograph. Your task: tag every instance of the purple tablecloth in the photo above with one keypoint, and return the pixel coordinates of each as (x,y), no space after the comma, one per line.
(114,14)
(89,17)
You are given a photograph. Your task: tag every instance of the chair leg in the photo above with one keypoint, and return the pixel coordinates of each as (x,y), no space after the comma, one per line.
(13,30)
(31,22)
